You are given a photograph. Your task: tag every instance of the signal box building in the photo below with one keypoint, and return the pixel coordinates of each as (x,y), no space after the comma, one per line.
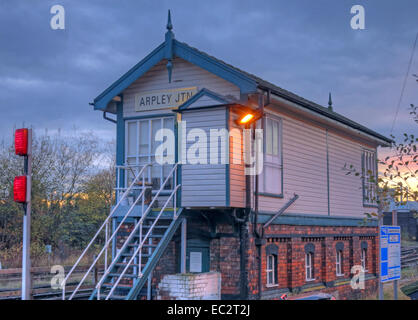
(295,227)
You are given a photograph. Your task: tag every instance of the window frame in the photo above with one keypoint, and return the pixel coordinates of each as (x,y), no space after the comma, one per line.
(339,263)
(369,162)
(273,270)
(263,191)
(309,267)
(363,259)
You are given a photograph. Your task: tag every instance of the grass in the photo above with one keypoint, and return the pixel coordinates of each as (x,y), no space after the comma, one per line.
(388,293)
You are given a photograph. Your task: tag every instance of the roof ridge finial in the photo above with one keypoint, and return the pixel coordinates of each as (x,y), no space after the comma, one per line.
(330,102)
(169,24)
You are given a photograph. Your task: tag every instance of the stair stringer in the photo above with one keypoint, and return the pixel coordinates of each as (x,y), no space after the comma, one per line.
(155,257)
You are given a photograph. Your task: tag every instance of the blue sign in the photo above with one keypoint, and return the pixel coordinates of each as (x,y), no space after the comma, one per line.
(390,253)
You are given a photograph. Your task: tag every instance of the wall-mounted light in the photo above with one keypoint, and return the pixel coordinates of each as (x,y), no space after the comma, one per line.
(247,116)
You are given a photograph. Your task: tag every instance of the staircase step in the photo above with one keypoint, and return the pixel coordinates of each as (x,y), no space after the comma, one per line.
(117,297)
(144,246)
(126,275)
(129,254)
(119,286)
(151,236)
(156,227)
(124,264)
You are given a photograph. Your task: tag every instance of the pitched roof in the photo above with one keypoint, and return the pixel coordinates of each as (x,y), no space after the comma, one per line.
(290,96)
(247,82)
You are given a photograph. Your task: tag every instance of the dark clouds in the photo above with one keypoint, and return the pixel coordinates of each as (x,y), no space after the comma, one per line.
(48,77)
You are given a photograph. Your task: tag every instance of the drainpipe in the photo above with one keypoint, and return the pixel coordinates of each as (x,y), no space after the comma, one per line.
(259,237)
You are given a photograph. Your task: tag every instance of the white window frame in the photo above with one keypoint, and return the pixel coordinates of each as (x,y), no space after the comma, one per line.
(309,269)
(271,269)
(272,160)
(363,259)
(369,169)
(149,154)
(338,263)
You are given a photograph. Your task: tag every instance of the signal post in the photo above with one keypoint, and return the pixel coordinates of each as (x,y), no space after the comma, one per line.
(22,194)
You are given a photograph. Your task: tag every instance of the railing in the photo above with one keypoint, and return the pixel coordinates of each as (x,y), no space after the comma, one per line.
(105,225)
(142,240)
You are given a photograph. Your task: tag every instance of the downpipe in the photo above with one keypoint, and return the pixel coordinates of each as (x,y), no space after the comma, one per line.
(259,237)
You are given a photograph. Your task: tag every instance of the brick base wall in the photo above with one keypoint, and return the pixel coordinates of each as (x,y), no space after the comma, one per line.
(291,242)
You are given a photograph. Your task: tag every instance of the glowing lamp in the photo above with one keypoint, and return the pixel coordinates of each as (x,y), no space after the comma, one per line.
(21,142)
(246,118)
(19,189)
(247,115)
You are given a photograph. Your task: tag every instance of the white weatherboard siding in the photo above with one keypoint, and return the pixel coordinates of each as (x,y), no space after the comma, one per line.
(184,75)
(304,169)
(236,167)
(346,196)
(204,185)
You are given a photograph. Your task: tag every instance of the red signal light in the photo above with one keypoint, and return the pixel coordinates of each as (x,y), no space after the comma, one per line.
(19,189)
(21,142)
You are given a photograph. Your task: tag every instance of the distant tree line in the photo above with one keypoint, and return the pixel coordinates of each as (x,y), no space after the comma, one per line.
(72,191)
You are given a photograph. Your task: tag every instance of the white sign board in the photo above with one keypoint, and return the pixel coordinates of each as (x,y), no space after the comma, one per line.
(195,261)
(163,99)
(390,253)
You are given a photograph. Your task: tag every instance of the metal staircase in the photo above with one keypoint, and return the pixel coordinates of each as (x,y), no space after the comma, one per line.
(142,238)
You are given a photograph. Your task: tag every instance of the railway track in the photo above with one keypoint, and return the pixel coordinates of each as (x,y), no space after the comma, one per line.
(42,290)
(409,257)
(45,293)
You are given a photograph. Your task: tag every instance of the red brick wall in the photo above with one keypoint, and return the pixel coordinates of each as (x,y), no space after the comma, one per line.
(291,241)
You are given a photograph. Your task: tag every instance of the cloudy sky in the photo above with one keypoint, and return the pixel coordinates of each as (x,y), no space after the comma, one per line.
(48,77)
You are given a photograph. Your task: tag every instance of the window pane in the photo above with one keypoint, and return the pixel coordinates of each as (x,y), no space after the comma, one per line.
(155,126)
(155,175)
(143,137)
(275,138)
(169,123)
(272,176)
(132,138)
(270,278)
(268,136)
(166,170)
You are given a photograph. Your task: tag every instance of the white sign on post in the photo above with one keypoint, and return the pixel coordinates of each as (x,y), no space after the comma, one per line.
(390,253)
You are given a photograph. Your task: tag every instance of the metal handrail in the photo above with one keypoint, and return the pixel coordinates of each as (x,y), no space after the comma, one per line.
(141,244)
(98,231)
(106,272)
(105,247)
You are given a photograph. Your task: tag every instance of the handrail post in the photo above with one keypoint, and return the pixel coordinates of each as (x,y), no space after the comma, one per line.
(175,196)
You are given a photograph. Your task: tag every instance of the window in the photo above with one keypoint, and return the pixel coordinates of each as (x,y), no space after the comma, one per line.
(272,270)
(141,146)
(369,169)
(339,263)
(309,266)
(271,178)
(364,258)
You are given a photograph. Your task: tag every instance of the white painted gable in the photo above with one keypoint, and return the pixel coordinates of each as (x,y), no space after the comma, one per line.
(185,75)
